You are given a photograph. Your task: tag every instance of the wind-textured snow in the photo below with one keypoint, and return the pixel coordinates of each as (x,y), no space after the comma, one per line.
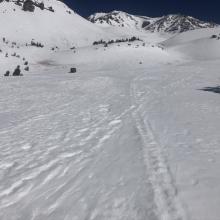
(132,135)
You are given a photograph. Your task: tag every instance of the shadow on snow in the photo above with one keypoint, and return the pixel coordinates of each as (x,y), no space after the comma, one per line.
(215,89)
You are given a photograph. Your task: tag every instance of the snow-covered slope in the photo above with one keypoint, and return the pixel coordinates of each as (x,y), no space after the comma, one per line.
(168,24)
(129,136)
(198,44)
(54,24)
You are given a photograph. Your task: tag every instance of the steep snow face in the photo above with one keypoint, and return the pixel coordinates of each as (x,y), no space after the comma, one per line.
(52,23)
(168,24)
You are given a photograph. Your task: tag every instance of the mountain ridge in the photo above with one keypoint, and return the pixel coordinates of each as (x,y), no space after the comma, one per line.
(173,23)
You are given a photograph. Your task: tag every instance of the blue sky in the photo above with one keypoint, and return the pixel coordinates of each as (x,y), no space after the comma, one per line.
(206,10)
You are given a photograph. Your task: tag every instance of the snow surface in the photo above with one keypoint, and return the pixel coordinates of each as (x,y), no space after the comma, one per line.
(51,28)
(133,135)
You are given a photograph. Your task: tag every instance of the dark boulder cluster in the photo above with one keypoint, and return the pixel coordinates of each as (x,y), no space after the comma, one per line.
(14,45)
(5,41)
(16,72)
(11,44)
(36,44)
(15,55)
(106,43)
(55,48)
(26,68)
(69,12)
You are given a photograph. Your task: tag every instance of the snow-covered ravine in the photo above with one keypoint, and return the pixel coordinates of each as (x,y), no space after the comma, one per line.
(130,136)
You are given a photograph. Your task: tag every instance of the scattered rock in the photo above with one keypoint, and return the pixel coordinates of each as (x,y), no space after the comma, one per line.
(7,73)
(27,68)
(72,70)
(28,6)
(17,71)
(51,9)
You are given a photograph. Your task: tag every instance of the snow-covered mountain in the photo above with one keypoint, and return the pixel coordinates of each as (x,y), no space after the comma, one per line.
(51,22)
(169,23)
(177,24)
(119,19)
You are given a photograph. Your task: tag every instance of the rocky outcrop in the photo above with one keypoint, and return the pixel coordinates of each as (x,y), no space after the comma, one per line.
(28,5)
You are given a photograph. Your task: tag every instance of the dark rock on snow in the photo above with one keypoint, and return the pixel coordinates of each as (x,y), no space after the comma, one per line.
(72,70)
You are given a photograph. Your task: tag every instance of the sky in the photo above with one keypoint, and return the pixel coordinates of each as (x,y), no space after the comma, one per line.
(208,10)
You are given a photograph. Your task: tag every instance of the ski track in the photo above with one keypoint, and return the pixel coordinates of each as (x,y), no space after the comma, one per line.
(169,206)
